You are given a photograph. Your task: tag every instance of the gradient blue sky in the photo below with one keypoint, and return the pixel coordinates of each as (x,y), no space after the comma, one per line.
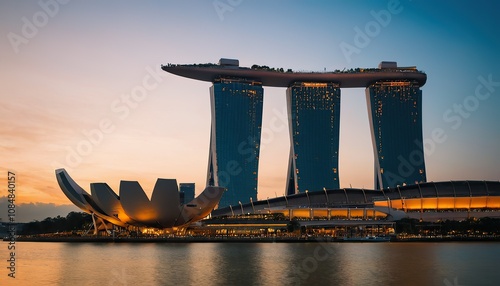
(70,74)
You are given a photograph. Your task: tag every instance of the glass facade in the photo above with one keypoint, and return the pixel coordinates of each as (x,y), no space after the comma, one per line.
(235,139)
(186,191)
(314,122)
(395,111)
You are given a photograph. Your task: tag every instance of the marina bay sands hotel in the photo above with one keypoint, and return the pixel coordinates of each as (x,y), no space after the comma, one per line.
(394,102)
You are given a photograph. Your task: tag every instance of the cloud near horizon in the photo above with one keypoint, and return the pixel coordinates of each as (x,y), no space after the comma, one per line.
(27,212)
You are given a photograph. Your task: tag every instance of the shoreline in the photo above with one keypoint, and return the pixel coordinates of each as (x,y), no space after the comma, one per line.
(243,239)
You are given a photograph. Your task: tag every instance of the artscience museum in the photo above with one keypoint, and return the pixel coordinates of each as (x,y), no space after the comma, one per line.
(132,207)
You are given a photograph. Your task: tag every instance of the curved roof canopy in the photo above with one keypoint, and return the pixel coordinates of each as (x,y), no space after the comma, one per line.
(351,197)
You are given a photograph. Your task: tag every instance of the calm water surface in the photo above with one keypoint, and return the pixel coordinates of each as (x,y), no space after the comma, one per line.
(254,264)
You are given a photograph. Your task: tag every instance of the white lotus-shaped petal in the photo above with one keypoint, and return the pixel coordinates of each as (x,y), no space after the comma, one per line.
(201,206)
(165,200)
(109,202)
(72,190)
(136,204)
(81,198)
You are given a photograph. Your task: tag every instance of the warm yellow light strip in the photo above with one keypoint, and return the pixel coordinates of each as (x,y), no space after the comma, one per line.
(313,84)
(249,224)
(443,203)
(396,83)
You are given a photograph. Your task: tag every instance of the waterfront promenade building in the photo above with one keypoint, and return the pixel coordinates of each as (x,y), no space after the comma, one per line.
(314,124)
(431,201)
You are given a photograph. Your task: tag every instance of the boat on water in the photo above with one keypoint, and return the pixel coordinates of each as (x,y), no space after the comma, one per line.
(368,238)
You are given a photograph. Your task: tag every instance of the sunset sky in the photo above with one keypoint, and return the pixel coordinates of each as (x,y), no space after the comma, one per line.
(68,69)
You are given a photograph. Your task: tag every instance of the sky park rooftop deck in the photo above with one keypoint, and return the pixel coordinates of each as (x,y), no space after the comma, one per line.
(359,77)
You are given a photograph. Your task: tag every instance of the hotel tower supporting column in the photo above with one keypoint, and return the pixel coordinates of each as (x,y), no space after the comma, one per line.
(395,111)
(314,122)
(235,139)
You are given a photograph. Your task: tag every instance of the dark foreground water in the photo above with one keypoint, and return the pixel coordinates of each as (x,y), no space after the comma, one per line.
(134,264)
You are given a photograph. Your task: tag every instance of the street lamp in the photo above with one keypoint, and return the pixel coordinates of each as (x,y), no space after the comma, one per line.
(268,204)
(309,200)
(232,212)
(253,208)
(326,195)
(241,207)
